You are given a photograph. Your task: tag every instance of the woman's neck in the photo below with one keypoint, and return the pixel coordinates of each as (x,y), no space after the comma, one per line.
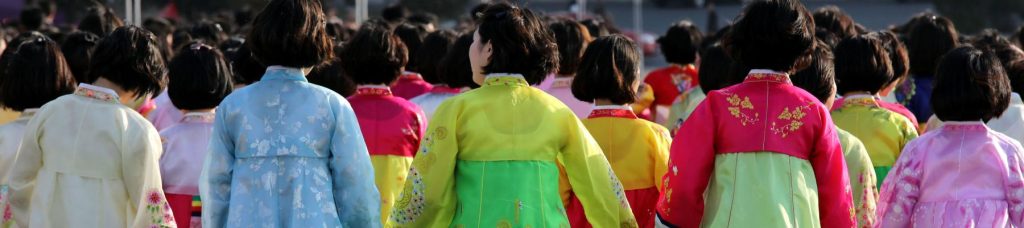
(603,102)
(126,97)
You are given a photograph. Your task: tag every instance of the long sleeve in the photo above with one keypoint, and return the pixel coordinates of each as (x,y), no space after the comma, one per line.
(215,180)
(355,193)
(428,198)
(900,192)
(691,162)
(594,183)
(835,201)
(1015,185)
(140,153)
(23,176)
(660,156)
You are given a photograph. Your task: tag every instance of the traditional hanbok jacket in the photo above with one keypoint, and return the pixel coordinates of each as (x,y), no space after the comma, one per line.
(683,106)
(185,146)
(165,115)
(88,161)
(638,152)
(960,175)
(410,85)
(1011,123)
(895,107)
(561,88)
(762,153)
(667,83)
(883,132)
(428,102)
(11,134)
(489,159)
(393,128)
(862,177)
(916,95)
(287,153)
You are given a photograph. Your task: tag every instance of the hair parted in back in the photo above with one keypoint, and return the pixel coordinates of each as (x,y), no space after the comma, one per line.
(375,55)
(572,39)
(681,43)
(929,38)
(520,42)
(36,73)
(862,64)
(455,69)
(818,79)
(608,70)
(131,58)
(970,85)
(199,77)
(773,34)
(434,48)
(291,33)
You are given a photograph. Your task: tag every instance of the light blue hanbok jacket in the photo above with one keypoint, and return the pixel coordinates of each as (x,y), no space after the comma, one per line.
(287,153)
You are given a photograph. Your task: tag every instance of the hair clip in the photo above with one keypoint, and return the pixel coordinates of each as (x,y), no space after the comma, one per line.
(200,46)
(41,40)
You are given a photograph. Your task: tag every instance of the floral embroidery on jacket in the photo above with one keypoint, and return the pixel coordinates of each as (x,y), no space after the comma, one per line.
(407,209)
(795,118)
(158,208)
(736,107)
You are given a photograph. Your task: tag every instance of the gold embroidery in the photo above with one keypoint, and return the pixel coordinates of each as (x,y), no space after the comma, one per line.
(504,224)
(795,118)
(441,133)
(736,107)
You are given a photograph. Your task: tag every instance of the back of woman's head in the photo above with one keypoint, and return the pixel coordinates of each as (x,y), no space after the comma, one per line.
(970,85)
(819,78)
(291,33)
(332,76)
(78,48)
(434,48)
(608,70)
(520,42)
(199,77)
(455,69)
(681,43)
(774,34)
(374,55)
(596,27)
(36,73)
(208,32)
(929,38)
(898,56)
(716,69)
(412,36)
(572,38)
(129,57)
(100,20)
(835,21)
(862,64)
(244,66)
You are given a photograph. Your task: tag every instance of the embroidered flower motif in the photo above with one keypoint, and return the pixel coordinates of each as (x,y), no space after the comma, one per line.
(155,197)
(737,107)
(157,207)
(411,201)
(795,118)
(85,92)
(620,193)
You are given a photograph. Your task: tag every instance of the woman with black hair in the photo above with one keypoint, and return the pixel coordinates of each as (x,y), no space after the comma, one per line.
(492,156)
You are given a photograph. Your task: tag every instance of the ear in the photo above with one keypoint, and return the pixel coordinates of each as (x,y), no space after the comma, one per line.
(488,49)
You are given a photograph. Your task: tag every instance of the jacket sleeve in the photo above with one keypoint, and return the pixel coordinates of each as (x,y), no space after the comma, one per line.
(592,179)
(900,193)
(141,151)
(835,200)
(428,197)
(691,162)
(215,180)
(355,193)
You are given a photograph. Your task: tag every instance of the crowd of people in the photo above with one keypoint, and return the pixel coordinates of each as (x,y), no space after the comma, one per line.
(786,118)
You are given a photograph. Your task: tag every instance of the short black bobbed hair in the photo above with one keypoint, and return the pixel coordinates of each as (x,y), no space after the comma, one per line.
(773,34)
(970,85)
(818,79)
(244,66)
(608,70)
(36,73)
(898,56)
(1015,71)
(412,36)
(131,58)
(434,48)
(596,27)
(455,69)
(199,77)
(572,39)
(520,42)
(374,55)
(332,76)
(862,64)
(681,43)
(291,33)
(835,21)
(929,38)
(77,49)
(718,70)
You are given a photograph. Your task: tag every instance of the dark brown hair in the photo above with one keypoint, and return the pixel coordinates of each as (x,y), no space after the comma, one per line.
(970,85)
(929,38)
(78,49)
(833,20)
(608,70)
(819,78)
(291,33)
(772,34)
(131,58)
(681,43)
(36,74)
(717,70)
(520,42)
(434,48)
(455,69)
(862,64)
(374,55)
(572,38)
(199,77)
(898,56)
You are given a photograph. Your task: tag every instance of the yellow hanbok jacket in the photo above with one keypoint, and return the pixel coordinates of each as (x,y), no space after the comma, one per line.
(489,159)
(883,132)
